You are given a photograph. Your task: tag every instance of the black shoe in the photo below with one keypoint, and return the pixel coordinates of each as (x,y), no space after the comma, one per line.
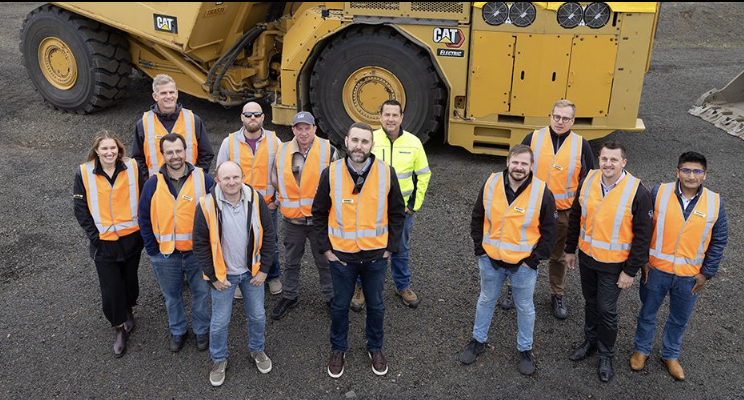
(605,369)
(129,323)
(120,341)
(202,342)
(582,352)
(526,362)
(559,309)
(471,352)
(177,341)
(507,303)
(283,306)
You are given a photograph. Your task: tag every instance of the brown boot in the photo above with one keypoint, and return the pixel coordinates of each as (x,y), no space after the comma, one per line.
(637,361)
(675,369)
(120,341)
(408,297)
(357,302)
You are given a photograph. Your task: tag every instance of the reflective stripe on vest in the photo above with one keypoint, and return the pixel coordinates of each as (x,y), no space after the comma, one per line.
(358,221)
(678,246)
(154,131)
(117,219)
(297,200)
(517,225)
(256,167)
(207,204)
(598,213)
(560,170)
(173,218)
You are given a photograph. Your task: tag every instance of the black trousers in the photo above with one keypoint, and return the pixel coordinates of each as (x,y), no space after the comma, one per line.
(119,287)
(600,308)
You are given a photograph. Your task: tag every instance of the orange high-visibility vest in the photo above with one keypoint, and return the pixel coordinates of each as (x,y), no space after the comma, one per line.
(511,231)
(114,208)
(154,131)
(256,167)
(215,241)
(678,246)
(173,218)
(297,200)
(607,222)
(358,221)
(560,171)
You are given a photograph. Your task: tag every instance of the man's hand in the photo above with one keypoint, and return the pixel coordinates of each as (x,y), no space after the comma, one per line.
(645,269)
(408,211)
(570,261)
(700,280)
(386,254)
(272,206)
(624,281)
(221,285)
(259,279)
(332,257)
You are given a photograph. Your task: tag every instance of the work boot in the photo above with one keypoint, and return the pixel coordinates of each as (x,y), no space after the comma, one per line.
(507,303)
(559,309)
(129,323)
(637,361)
(675,369)
(408,298)
(357,302)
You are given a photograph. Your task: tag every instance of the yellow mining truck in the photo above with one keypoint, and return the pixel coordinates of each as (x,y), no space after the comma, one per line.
(485,74)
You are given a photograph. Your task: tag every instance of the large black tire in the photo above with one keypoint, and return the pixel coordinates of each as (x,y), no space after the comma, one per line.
(101,56)
(383,47)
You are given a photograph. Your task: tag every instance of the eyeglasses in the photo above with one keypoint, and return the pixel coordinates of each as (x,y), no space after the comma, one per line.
(687,171)
(558,118)
(249,114)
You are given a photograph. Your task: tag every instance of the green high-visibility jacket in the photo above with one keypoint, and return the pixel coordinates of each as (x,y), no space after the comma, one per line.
(406,154)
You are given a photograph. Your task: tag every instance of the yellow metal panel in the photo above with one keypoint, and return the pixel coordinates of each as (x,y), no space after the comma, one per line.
(540,73)
(491,65)
(591,73)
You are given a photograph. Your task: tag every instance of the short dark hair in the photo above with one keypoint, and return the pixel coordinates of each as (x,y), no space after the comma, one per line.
(172,137)
(613,145)
(391,103)
(693,157)
(361,125)
(519,149)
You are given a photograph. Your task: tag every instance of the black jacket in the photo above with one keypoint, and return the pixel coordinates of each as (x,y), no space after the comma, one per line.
(396,217)
(643,228)
(548,225)
(203,248)
(103,250)
(204,154)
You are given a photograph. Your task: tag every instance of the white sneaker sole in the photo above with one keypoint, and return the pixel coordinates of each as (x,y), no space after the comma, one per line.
(216,383)
(335,376)
(378,373)
(264,371)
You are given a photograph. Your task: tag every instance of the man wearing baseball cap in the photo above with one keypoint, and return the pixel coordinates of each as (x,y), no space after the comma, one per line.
(296,176)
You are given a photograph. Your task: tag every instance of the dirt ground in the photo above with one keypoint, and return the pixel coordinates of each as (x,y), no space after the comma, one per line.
(55,342)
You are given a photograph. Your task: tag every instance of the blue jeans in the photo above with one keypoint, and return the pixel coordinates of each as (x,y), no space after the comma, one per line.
(222,301)
(169,273)
(681,303)
(275,271)
(399,261)
(344,279)
(523,287)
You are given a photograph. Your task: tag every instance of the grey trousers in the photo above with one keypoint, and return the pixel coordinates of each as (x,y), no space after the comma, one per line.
(294,237)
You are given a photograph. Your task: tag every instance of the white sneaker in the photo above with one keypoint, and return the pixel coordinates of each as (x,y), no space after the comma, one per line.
(275,286)
(238,294)
(217,375)
(263,362)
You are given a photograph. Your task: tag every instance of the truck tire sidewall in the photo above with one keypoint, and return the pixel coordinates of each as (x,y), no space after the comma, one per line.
(361,52)
(51,25)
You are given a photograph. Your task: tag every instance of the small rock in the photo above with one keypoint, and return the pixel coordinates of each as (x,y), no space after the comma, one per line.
(350,394)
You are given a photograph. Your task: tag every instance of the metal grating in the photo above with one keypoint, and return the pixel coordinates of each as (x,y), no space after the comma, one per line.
(438,7)
(376,5)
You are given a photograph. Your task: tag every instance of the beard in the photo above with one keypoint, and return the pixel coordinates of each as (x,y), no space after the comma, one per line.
(518,176)
(252,128)
(359,158)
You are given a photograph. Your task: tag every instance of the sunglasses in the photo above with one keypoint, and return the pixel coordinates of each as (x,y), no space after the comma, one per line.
(249,114)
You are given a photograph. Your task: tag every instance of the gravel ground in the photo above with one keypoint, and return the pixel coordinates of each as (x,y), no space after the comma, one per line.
(55,342)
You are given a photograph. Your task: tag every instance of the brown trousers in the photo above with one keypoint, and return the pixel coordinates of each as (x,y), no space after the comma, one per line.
(557,263)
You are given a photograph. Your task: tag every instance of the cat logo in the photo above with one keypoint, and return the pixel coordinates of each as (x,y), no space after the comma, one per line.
(164,23)
(452,37)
